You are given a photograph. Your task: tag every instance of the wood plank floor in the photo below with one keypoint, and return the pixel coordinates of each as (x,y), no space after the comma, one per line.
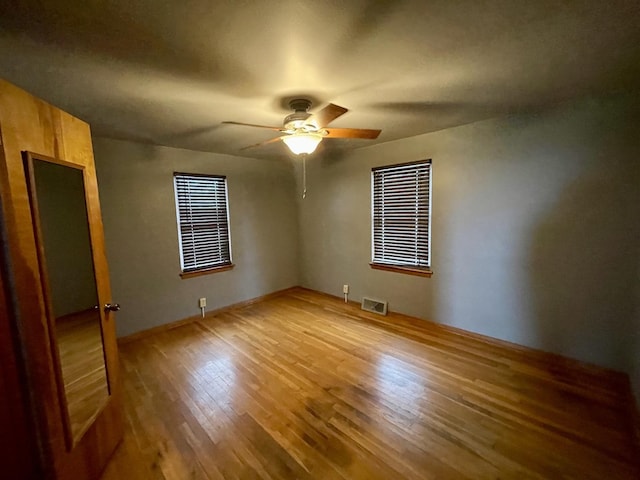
(303,386)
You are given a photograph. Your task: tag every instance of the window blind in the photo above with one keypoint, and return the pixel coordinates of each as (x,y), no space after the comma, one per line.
(203,221)
(401,210)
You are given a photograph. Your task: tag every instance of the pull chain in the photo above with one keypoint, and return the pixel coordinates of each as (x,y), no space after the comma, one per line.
(304,175)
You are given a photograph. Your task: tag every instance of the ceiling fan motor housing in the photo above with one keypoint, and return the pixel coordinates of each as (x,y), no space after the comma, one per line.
(298,119)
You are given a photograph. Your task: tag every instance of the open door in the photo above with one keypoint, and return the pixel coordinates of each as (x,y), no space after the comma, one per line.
(61,294)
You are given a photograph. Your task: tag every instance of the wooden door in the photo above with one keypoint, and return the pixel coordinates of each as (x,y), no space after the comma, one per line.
(33,132)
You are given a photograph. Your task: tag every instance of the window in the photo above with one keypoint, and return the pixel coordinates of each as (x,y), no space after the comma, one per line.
(203,223)
(401,223)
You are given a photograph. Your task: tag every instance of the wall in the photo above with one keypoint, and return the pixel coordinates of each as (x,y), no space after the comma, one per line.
(138,207)
(535,228)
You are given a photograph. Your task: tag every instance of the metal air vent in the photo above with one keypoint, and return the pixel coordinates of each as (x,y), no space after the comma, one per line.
(375,306)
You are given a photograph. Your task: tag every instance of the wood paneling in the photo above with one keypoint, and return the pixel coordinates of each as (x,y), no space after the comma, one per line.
(305,386)
(29,124)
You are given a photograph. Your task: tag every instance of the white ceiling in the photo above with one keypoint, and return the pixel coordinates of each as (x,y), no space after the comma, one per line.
(168,72)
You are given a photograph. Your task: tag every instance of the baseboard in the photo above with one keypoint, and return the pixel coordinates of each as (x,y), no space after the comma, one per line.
(186,321)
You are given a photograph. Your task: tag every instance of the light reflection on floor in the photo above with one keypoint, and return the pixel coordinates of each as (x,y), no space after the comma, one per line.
(219,374)
(398,383)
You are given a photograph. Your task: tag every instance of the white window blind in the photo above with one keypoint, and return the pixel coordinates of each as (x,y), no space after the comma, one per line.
(203,221)
(401,209)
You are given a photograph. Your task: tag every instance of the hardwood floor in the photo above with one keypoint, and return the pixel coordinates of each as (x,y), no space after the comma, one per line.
(303,386)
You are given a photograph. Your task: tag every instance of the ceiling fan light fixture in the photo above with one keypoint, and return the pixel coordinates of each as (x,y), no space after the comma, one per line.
(302,142)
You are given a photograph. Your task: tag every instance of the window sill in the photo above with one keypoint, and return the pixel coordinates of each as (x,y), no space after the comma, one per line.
(420,272)
(207,271)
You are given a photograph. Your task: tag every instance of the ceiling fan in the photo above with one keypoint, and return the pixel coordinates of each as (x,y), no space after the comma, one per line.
(304,131)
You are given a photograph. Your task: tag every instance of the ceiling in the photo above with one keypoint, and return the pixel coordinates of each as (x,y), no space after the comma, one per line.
(169,72)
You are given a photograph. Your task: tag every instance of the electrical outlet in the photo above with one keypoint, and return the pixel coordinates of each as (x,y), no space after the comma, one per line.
(202,302)
(345,289)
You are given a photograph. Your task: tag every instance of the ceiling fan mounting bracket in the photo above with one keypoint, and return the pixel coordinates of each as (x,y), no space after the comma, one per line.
(300,105)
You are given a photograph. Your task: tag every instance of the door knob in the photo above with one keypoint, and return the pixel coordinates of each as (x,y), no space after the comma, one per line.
(111,307)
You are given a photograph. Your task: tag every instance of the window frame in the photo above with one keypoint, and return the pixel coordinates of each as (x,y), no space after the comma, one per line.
(423,271)
(203,270)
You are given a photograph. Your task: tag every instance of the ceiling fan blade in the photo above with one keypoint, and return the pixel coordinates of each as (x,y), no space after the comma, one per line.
(352,133)
(277,129)
(272,140)
(328,114)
